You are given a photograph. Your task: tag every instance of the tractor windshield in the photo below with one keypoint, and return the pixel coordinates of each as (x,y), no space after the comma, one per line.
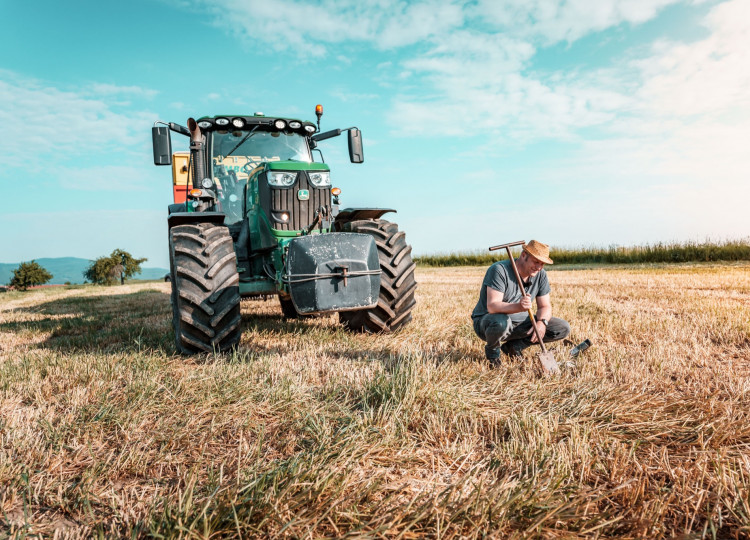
(242,151)
(234,154)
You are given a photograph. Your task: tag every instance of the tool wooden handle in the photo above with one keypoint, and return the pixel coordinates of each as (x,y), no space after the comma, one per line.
(536,331)
(523,292)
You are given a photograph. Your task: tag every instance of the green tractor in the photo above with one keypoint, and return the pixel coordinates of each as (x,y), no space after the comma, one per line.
(255,216)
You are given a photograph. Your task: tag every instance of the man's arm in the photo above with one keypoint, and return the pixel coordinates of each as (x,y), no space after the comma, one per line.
(543,311)
(495,303)
(543,307)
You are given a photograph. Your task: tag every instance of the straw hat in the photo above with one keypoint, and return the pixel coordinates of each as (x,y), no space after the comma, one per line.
(539,251)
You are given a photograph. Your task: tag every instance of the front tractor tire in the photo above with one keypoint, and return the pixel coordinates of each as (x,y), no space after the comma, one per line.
(397,282)
(205,288)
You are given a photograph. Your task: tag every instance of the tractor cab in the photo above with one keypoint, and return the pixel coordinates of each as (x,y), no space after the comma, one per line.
(238,154)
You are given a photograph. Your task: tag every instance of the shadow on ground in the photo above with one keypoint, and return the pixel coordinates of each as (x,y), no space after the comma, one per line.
(267,332)
(142,320)
(107,322)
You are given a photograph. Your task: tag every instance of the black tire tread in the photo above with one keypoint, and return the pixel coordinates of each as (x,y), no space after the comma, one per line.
(397,282)
(205,288)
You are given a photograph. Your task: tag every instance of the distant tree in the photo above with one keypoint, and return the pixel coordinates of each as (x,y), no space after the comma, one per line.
(107,270)
(29,274)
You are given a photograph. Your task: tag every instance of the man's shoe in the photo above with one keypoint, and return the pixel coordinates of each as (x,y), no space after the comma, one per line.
(512,350)
(491,353)
(495,363)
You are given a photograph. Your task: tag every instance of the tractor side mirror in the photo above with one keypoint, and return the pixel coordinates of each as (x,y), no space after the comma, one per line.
(162,145)
(356,154)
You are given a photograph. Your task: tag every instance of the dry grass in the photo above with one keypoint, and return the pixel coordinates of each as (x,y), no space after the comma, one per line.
(309,431)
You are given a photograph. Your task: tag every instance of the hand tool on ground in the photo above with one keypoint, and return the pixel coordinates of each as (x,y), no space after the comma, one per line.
(578,349)
(546,358)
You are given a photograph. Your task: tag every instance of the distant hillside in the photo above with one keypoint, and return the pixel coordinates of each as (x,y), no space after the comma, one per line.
(64,269)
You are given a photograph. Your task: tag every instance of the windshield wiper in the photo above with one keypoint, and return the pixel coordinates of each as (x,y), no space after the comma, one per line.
(242,141)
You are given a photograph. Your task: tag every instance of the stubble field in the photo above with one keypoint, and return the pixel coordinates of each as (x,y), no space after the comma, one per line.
(309,431)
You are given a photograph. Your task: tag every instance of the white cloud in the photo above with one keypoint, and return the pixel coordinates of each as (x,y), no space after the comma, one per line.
(42,120)
(308,28)
(477,83)
(677,94)
(708,77)
(551,21)
(692,113)
(101,89)
(665,153)
(472,59)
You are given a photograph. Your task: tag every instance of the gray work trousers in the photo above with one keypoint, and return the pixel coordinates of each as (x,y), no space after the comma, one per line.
(496,328)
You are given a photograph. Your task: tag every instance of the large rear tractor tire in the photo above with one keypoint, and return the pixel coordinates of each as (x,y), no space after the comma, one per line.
(205,288)
(397,283)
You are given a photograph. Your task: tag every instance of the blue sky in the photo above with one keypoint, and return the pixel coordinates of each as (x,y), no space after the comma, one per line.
(577,123)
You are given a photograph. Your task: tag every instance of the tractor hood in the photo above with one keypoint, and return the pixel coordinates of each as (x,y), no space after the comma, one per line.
(296,166)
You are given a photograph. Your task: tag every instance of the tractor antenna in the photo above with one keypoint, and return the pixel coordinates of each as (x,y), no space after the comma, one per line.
(319,113)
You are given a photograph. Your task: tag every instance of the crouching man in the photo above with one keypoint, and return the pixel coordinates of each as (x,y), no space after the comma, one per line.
(501,316)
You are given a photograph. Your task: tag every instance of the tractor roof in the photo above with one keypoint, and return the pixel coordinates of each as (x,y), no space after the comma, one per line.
(258,121)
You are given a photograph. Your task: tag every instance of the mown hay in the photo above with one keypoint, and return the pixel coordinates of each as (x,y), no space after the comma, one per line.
(308,430)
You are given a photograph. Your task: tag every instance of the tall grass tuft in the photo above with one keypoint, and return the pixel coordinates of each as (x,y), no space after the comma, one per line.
(661,252)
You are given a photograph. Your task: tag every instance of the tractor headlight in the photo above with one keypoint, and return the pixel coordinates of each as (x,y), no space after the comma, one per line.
(320,178)
(281,178)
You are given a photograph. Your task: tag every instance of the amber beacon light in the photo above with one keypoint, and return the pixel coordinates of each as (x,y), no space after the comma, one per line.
(319,113)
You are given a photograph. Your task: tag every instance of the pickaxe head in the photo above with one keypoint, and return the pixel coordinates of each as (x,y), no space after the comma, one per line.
(512,244)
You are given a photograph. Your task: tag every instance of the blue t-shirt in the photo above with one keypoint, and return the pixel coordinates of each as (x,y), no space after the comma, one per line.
(500,276)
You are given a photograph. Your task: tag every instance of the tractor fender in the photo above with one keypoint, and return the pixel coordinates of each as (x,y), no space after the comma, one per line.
(185,218)
(355,214)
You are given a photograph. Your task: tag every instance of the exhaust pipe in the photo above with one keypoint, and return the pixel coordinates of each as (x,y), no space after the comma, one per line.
(197,158)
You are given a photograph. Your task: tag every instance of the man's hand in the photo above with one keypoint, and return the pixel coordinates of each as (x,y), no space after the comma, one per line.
(525,303)
(539,326)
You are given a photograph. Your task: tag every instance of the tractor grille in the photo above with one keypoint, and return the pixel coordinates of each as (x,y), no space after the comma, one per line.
(301,213)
